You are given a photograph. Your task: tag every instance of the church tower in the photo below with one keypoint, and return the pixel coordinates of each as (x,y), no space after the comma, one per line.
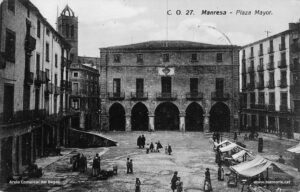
(67,26)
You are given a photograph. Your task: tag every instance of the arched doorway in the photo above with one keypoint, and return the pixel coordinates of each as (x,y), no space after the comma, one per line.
(117,117)
(166,117)
(194,117)
(139,117)
(219,118)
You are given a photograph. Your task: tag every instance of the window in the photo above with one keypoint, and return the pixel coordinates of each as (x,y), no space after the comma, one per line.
(75,74)
(11,5)
(140,85)
(244,53)
(271,45)
(282,42)
(272,98)
(10,45)
(261,98)
(219,85)
(55,57)
(283,96)
(47,52)
(28,13)
(55,79)
(47,31)
(194,85)
(261,49)
(283,76)
(75,103)
(38,28)
(194,57)
(261,78)
(251,51)
(116,86)
(72,31)
(271,59)
(166,84)
(139,58)
(252,98)
(166,57)
(75,87)
(48,74)
(271,77)
(219,57)
(67,30)
(261,61)
(38,57)
(283,56)
(117,58)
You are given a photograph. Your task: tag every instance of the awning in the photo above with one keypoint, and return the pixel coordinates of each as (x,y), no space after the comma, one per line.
(295,149)
(228,147)
(241,154)
(226,142)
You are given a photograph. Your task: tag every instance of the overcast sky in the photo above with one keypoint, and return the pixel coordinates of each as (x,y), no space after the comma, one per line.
(105,23)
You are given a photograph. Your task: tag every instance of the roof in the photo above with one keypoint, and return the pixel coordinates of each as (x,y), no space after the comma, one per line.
(294,149)
(152,45)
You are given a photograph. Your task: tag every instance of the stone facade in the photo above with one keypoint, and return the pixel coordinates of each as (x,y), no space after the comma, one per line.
(177,64)
(269,79)
(34,87)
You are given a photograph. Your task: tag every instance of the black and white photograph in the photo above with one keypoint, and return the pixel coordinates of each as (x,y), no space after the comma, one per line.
(150,96)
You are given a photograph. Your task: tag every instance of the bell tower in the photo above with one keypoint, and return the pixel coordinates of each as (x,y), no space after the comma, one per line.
(67,26)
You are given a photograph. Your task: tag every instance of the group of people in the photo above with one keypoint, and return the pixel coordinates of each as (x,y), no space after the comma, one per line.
(176,183)
(141,141)
(129,165)
(96,167)
(79,163)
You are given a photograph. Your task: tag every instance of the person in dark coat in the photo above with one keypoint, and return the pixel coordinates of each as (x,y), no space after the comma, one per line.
(218,137)
(220,173)
(214,136)
(159,146)
(96,165)
(128,165)
(139,141)
(151,147)
(207,176)
(173,181)
(169,149)
(235,136)
(143,141)
(218,156)
(137,185)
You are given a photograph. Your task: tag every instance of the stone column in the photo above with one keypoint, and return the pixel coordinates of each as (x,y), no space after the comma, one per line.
(206,123)
(151,122)
(128,122)
(182,121)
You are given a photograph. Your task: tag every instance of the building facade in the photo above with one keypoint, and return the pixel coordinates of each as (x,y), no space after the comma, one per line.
(269,77)
(84,100)
(34,87)
(169,85)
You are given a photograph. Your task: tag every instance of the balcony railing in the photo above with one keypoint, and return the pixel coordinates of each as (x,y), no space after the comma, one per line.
(282,64)
(30,43)
(270,84)
(282,83)
(260,67)
(251,56)
(260,85)
(250,86)
(49,88)
(271,107)
(194,96)
(116,95)
(166,96)
(270,66)
(219,96)
(270,50)
(29,78)
(22,116)
(139,95)
(282,47)
(284,108)
(251,69)
(40,77)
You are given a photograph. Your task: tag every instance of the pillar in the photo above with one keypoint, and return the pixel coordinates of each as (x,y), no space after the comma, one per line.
(58,133)
(151,122)
(14,156)
(206,122)
(128,122)
(82,120)
(182,121)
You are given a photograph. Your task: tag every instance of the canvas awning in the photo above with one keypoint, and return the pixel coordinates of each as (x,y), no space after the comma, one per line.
(226,142)
(295,149)
(241,154)
(228,147)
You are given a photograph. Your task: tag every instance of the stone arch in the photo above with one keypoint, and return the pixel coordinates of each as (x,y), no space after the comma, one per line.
(219,117)
(166,116)
(194,117)
(139,117)
(116,117)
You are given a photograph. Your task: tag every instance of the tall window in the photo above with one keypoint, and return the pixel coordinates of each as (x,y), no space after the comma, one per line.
(252,98)
(38,29)
(117,58)
(194,85)
(11,5)
(55,79)
(261,49)
(271,77)
(166,84)
(76,87)
(220,85)
(271,44)
(47,52)
(271,59)
(283,98)
(272,98)
(55,57)
(72,31)
(282,42)
(194,57)
(139,58)
(219,57)
(38,59)
(166,57)
(283,76)
(140,86)
(261,61)
(116,86)
(67,30)
(261,98)
(251,52)
(10,45)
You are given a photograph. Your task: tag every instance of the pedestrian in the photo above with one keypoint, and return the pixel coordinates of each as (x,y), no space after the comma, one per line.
(76,162)
(159,146)
(207,187)
(139,141)
(207,177)
(143,141)
(179,185)
(147,148)
(220,173)
(214,136)
(128,165)
(173,181)
(166,149)
(281,160)
(218,155)
(151,147)
(96,165)
(235,137)
(137,185)
(218,137)
(169,149)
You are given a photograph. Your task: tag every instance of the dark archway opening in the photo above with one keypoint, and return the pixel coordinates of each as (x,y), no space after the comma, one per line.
(139,117)
(194,117)
(166,117)
(219,118)
(116,117)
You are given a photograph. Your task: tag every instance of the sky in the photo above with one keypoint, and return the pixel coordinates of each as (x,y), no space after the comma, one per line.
(104,23)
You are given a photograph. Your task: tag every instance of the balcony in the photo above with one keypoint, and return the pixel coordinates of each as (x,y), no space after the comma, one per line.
(251,69)
(260,52)
(260,85)
(219,96)
(260,68)
(282,47)
(166,96)
(295,47)
(270,66)
(271,107)
(22,116)
(271,85)
(194,96)
(270,50)
(49,88)
(284,108)
(29,78)
(116,96)
(251,56)
(259,106)
(282,83)
(139,96)
(30,43)
(57,90)
(40,78)
(250,86)
(282,64)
